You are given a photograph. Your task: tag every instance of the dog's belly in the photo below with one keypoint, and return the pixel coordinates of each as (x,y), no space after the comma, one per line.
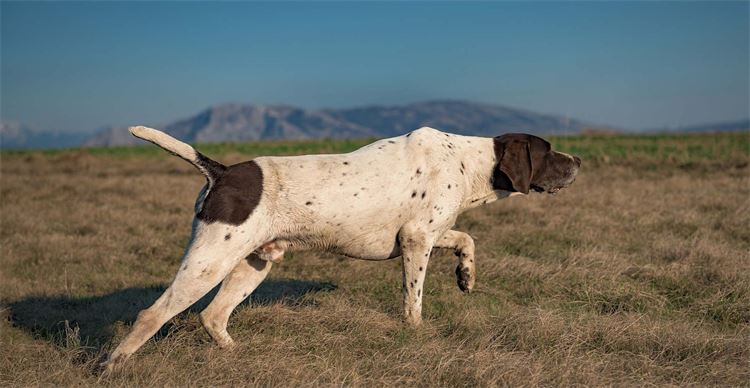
(376,244)
(370,244)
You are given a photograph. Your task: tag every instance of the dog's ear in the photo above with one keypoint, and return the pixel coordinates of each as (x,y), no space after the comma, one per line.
(518,157)
(513,169)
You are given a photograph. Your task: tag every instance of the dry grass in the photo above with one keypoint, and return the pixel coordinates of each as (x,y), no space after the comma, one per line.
(638,274)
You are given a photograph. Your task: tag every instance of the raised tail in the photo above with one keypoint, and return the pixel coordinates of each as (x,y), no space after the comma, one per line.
(210,168)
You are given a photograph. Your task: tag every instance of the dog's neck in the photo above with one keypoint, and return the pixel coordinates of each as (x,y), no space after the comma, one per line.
(479,160)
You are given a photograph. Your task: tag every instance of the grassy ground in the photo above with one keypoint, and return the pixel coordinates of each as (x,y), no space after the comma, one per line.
(638,274)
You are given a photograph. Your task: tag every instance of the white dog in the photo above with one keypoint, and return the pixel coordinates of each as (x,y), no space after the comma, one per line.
(395,197)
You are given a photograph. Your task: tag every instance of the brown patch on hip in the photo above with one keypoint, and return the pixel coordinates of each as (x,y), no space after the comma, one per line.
(234,194)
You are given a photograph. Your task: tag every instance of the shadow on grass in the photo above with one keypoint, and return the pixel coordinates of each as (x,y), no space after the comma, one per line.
(52,318)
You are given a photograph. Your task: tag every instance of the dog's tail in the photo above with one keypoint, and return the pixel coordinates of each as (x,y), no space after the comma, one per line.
(210,168)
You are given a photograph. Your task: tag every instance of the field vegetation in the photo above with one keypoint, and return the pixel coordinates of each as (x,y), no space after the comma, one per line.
(639,274)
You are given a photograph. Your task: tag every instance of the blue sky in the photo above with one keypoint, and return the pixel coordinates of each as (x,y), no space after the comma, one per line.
(78,66)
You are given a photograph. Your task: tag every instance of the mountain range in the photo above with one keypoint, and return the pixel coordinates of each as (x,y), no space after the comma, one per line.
(14,135)
(727,126)
(246,122)
(237,122)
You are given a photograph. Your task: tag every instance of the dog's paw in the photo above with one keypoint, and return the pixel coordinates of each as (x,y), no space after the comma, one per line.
(110,366)
(464,278)
(226,343)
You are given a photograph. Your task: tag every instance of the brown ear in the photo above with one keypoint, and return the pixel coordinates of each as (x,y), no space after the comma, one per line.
(515,164)
(519,156)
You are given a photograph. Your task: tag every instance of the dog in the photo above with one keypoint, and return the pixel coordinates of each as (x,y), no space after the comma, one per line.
(395,197)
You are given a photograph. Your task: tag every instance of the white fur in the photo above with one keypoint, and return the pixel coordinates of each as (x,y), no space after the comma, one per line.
(355,204)
(164,141)
(170,144)
(394,197)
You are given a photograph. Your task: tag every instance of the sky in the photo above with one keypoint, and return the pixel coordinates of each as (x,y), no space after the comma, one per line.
(79,66)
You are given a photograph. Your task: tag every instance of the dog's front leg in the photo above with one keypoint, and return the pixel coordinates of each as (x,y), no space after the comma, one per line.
(415,252)
(463,246)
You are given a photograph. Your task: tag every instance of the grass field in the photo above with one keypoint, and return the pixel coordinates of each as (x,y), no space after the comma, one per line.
(637,274)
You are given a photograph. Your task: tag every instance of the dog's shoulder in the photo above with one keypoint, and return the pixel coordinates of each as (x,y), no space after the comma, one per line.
(425,134)
(418,139)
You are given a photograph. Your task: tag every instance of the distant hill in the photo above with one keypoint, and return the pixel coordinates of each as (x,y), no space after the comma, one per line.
(14,135)
(237,122)
(245,122)
(728,126)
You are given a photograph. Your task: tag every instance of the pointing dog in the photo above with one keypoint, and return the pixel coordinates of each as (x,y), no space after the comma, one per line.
(394,197)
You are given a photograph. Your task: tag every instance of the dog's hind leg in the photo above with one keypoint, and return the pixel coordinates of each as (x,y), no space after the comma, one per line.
(463,246)
(208,260)
(237,286)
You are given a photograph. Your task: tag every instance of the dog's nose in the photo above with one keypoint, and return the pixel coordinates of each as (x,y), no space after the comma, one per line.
(577,160)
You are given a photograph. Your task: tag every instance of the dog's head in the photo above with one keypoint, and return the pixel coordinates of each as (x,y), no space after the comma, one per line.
(526,162)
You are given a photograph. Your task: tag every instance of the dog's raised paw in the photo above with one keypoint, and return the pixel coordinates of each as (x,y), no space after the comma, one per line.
(464,278)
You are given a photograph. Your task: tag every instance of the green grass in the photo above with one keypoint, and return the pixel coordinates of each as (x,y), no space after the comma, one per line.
(257,148)
(678,150)
(681,149)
